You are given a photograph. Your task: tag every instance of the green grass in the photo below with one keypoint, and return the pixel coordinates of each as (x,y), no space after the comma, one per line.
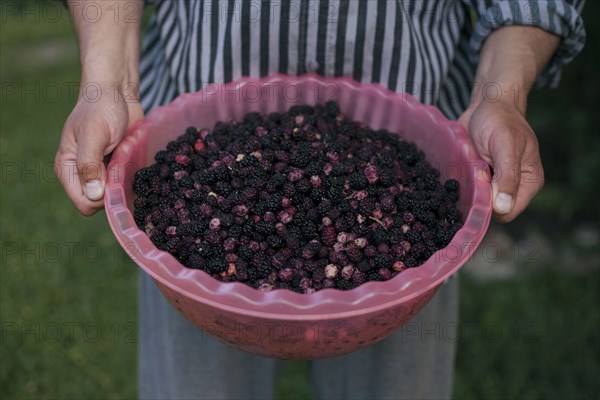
(62,273)
(59,275)
(533,338)
(566,122)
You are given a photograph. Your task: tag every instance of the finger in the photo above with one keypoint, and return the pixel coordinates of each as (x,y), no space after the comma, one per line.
(506,156)
(65,167)
(90,166)
(531,182)
(465,118)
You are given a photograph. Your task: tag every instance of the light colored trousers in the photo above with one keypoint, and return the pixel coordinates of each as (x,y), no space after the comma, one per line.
(177,361)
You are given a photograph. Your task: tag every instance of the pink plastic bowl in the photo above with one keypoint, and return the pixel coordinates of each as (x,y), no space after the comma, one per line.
(281,323)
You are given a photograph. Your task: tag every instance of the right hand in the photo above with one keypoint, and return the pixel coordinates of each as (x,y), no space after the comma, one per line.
(92,131)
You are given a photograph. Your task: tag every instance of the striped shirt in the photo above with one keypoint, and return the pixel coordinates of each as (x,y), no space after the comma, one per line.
(427,48)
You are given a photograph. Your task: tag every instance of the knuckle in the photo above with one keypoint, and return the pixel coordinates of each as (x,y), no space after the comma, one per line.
(86,211)
(533,138)
(542,180)
(89,169)
(60,156)
(506,218)
(57,172)
(80,165)
(58,161)
(59,165)
(538,175)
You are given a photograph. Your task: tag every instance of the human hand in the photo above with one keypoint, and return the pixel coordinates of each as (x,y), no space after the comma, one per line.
(505,140)
(109,55)
(92,131)
(511,59)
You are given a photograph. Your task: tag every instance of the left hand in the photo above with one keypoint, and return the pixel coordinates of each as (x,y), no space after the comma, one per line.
(505,140)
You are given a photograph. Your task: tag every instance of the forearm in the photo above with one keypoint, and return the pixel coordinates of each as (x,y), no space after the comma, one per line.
(109,43)
(511,60)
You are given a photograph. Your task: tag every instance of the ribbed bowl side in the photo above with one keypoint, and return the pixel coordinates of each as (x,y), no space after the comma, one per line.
(356,314)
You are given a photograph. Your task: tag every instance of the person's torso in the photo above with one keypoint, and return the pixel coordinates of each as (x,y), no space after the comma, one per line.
(406,46)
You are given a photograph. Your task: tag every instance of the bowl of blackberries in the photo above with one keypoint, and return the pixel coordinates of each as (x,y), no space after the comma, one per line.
(298,217)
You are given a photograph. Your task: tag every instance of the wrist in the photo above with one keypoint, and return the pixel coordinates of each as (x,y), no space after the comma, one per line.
(505,91)
(116,75)
(110,62)
(511,59)
(120,77)
(110,48)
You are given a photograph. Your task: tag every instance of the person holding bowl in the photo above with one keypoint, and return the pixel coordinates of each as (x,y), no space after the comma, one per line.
(475,60)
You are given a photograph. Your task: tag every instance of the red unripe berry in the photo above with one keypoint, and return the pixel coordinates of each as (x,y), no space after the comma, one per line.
(182,159)
(198,145)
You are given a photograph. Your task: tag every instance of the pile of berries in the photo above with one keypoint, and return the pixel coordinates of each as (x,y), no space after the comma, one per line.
(303,200)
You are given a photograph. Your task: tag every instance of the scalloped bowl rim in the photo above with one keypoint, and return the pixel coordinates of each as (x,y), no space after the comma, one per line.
(324,298)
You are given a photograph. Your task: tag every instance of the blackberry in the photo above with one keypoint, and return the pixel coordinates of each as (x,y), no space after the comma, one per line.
(260,208)
(383,261)
(300,110)
(343,284)
(253,118)
(309,229)
(275,241)
(317,195)
(453,196)
(324,206)
(264,227)
(453,215)
(314,168)
(355,255)
(338,169)
(196,229)
(427,182)
(270,187)
(303,186)
(161,156)
(273,203)
(373,276)
(442,236)
(410,262)
(195,261)
(141,188)
(223,188)
(344,207)
(365,266)
(300,159)
(387,178)
(357,181)
(335,194)
(385,160)
(312,214)
(379,236)
(245,252)
(190,136)
(139,215)
(207,177)
(366,206)
(215,265)
(296,192)
(296,281)
(332,108)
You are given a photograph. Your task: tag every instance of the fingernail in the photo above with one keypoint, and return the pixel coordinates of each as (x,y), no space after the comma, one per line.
(93,190)
(504,203)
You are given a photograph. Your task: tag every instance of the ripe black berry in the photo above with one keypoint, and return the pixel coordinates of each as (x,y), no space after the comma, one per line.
(302,200)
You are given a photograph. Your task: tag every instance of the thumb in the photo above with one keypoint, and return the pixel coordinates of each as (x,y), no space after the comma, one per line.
(507,171)
(90,166)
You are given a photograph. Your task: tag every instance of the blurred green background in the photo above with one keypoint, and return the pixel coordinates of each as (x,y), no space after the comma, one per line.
(68,293)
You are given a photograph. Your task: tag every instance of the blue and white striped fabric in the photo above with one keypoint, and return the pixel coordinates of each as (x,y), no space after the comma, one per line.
(427,48)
